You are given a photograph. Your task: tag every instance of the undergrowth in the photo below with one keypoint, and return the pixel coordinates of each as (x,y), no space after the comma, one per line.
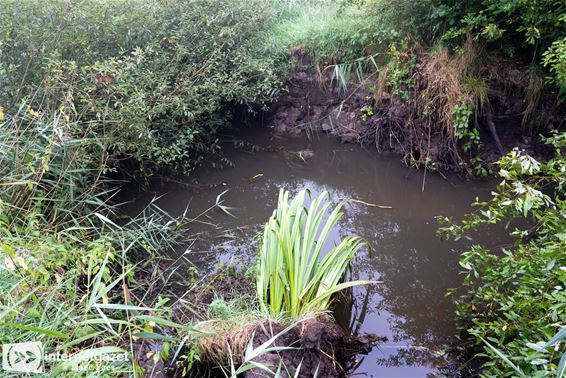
(158,93)
(68,277)
(512,301)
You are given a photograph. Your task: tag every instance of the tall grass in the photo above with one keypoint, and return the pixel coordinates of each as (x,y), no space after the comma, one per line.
(67,277)
(296,274)
(326,31)
(51,170)
(78,295)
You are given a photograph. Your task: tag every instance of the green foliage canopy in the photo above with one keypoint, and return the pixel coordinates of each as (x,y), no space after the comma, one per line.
(159,78)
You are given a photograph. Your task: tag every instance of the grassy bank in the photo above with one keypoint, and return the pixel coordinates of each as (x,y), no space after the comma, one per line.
(441,81)
(67,271)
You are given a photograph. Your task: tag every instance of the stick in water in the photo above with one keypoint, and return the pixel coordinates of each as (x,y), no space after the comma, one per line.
(366,203)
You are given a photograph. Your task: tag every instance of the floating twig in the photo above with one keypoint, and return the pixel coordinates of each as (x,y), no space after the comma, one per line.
(256,176)
(366,203)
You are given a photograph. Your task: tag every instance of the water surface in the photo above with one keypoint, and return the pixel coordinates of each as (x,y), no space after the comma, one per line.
(409,307)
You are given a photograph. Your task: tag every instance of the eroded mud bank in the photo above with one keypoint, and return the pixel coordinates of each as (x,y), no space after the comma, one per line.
(397,120)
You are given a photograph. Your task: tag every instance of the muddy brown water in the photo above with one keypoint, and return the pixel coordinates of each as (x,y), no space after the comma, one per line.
(409,307)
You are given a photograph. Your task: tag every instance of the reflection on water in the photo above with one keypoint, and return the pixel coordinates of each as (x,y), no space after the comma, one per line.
(409,307)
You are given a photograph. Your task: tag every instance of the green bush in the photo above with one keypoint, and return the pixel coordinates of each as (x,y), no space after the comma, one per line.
(525,30)
(517,25)
(513,300)
(157,80)
(555,60)
(424,20)
(33,32)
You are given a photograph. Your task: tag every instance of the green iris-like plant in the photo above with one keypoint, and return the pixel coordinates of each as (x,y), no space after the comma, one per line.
(293,280)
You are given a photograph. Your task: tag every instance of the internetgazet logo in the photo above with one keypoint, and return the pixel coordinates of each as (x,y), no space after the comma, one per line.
(30,357)
(23,357)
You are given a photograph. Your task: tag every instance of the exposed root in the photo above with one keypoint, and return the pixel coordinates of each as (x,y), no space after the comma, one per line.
(316,344)
(491,124)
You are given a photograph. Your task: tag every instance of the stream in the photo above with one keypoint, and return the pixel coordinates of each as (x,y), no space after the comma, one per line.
(416,268)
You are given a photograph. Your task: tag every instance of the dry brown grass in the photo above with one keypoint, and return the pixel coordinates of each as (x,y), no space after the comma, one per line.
(442,81)
(223,340)
(450,79)
(533,96)
(381,83)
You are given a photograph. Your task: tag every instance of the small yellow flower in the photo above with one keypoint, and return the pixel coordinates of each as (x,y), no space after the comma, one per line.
(33,112)
(2,118)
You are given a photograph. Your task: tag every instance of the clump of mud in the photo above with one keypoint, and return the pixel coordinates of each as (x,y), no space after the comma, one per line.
(312,347)
(317,346)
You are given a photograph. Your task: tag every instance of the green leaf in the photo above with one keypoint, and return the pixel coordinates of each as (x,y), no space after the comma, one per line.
(44,331)
(505,359)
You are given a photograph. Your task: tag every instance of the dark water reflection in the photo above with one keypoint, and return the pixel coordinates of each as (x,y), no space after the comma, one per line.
(416,268)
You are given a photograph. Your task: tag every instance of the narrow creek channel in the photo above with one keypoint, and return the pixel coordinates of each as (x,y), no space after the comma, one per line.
(409,307)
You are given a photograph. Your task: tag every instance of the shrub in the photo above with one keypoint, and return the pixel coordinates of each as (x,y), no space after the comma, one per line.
(33,32)
(423,19)
(158,93)
(524,30)
(555,60)
(513,301)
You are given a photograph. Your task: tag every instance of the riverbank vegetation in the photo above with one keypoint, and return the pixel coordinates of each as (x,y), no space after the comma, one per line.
(97,93)
(138,72)
(67,272)
(513,300)
(93,93)
(440,81)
